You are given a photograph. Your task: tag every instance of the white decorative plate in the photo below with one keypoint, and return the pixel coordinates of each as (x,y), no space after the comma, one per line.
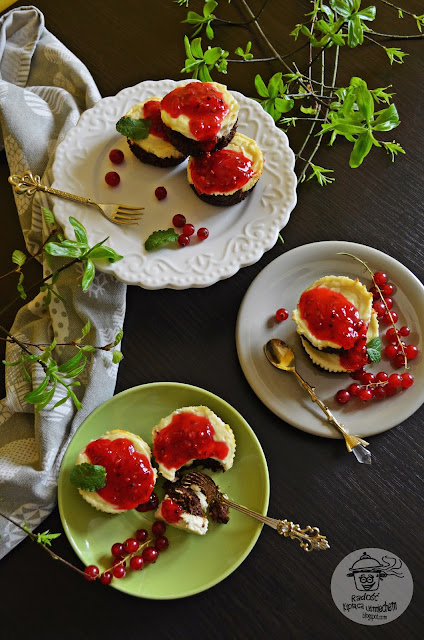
(279,285)
(238,235)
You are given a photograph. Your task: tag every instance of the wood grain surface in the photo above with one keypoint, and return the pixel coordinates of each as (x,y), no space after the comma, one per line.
(189,336)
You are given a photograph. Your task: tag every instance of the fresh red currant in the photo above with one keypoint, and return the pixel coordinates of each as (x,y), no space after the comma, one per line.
(367,378)
(106,577)
(381,376)
(403,331)
(158,528)
(202,233)
(380,392)
(141,535)
(390,391)
(91,572)
(407,380)
(151,505)
(112,178)
(389,302)
(375,293)
(130,545)
(150,555)
(387,290)
(411,351)
(188,229)
(178,220)
(379,308)
(354,388)
(343,396)
(380,278)
(398,361)
(356,375)
(137,563)
(119,561)
(161,543)
(117,550)
(391,335)
(365,395)
(161,193)
(116,156)
(119,571)
(391,350)
(281,315)
(395,380)
(183,240)
(389,317)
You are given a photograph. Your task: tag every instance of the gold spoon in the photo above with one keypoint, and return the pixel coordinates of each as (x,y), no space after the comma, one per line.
(281,356)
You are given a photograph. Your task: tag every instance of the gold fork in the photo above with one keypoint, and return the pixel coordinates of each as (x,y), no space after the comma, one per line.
(309,538)
(28,184)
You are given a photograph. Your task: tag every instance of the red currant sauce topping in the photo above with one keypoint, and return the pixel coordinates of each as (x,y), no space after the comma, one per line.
(116,156)
(178,220)
(161,193)
(112,178)
(281,315)
(91,572)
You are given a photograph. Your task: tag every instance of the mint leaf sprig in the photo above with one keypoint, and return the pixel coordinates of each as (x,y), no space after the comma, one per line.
(158,238)
(136,129)
(89,477)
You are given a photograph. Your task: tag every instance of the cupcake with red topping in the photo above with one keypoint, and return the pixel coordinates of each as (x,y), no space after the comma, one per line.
(155,149)
(335,321)
(189,435)
(227,176)
(123,459)
(199,117)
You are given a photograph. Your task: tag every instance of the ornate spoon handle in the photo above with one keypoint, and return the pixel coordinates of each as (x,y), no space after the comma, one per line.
(309,538)
(351,441)
(28,184)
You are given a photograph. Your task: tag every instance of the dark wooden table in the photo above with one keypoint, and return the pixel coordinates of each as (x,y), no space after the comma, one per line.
(279,591)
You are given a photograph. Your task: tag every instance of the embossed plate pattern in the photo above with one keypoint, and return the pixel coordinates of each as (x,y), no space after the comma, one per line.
(238,235)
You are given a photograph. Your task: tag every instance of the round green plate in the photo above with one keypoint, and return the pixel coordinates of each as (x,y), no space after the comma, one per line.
(191,563)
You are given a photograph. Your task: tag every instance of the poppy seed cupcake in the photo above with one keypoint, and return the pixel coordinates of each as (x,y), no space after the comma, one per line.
(227,176)
(199,117)
(156,149)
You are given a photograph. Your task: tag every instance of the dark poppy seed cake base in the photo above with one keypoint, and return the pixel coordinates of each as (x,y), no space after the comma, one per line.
(195,148)
(151,158)
(221,200)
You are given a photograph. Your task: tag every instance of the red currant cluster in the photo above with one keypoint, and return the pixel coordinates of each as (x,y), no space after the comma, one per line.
(112,178)
(382,385)
(188,230)
(137,552)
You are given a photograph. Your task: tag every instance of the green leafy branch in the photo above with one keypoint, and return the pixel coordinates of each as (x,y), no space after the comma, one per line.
(65,374)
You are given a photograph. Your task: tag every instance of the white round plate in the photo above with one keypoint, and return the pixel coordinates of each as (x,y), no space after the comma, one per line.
(280,284)
(238,235)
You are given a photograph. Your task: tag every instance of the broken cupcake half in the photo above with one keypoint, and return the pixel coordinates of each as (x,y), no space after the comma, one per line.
(191,436)
(335,320)
(113,473)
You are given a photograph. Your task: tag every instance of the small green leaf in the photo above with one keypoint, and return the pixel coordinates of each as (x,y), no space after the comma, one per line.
(374,349)
(71,363)
(89,273)
(261,86)
(56,249)
(48,216)
(79,230)
(116,356)
(18,257)
(46,537)
(361,148)
(158,238)
(394,148)
(395,54)
(20,287)
(89,477)
(134,129)
(118,337)
(387,119)
(86,329)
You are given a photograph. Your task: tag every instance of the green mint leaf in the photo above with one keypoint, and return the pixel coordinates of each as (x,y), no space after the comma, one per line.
(374,349)
(157,238)
(89,477)
(18,257)
(134,129)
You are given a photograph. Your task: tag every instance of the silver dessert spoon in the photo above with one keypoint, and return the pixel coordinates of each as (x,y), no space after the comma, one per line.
(281,356)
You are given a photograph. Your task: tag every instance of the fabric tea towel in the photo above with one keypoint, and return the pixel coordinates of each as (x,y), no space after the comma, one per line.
(43,90)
